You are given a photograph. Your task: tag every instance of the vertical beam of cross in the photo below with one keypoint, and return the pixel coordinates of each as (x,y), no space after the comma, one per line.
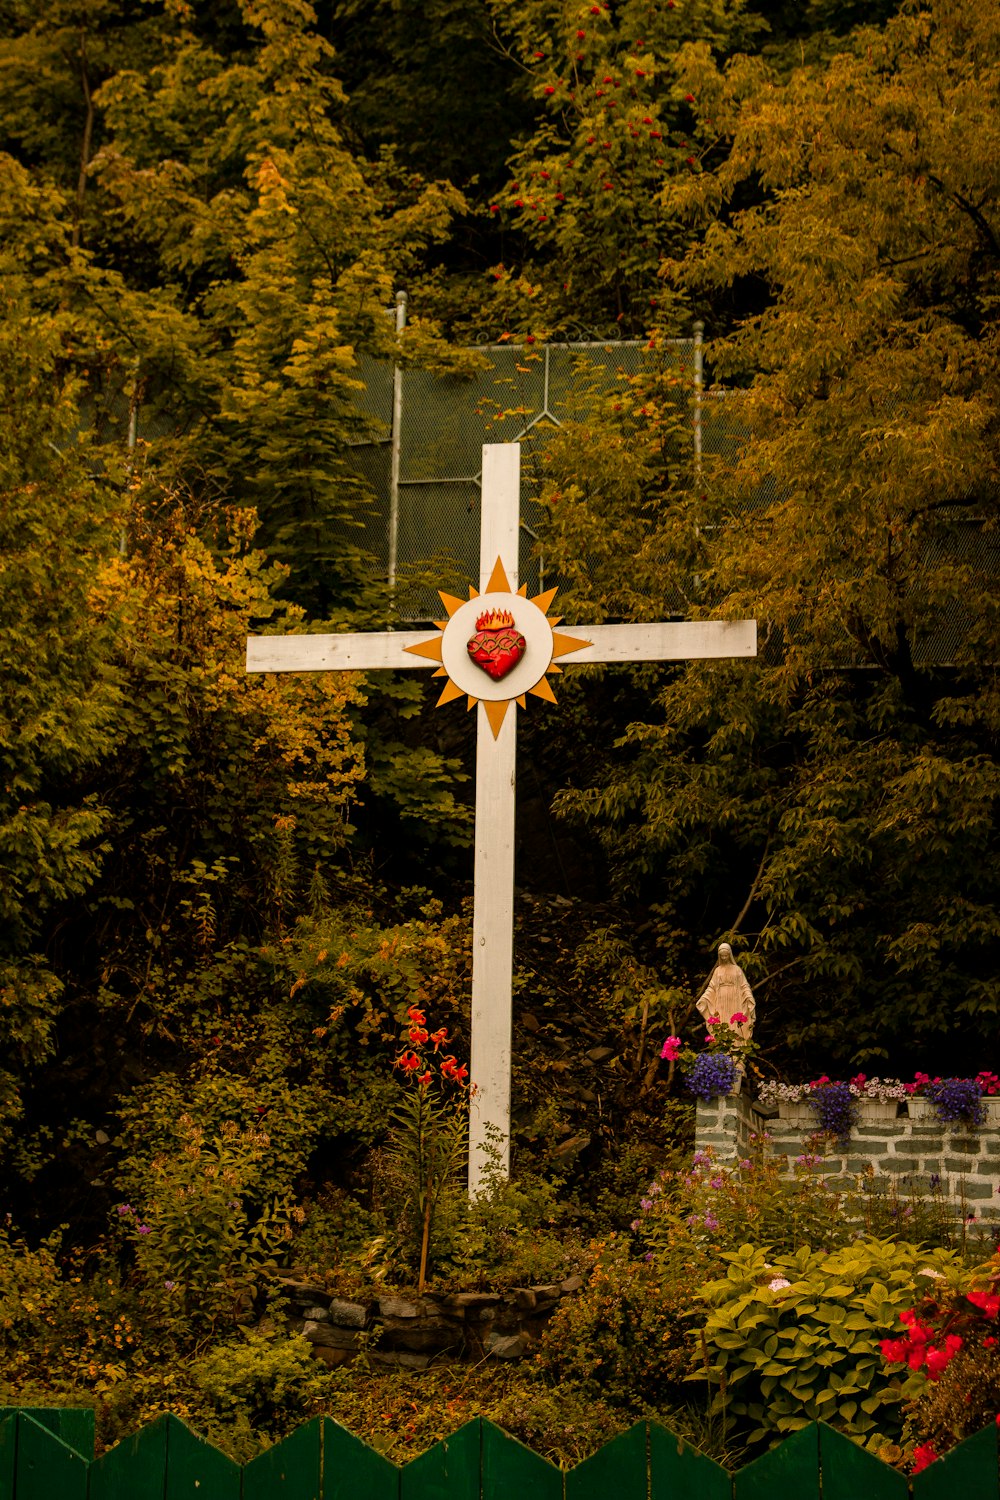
(493,899)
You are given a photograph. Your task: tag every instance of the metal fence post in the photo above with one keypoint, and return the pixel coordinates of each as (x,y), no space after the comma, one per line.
(397,417)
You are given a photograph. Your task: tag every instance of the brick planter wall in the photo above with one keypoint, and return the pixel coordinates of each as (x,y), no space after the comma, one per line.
(965,1161)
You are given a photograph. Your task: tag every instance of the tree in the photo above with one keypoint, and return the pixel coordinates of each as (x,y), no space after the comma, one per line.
(837,806)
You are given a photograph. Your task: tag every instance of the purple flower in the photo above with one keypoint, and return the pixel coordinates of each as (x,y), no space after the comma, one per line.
(169,1285)
(634,1225)
(143,1229)
(712,1074)
(123,1209)
(710,1221)
(645,1204)
(701,1159)
(717,1182)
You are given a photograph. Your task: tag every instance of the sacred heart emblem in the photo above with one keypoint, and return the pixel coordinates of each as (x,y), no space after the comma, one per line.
(497,645)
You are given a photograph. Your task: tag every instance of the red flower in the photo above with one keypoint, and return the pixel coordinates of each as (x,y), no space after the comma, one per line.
(688,98)
(539,54)
(408,1061)
(561,197)
(440,1036)
(580,35)
(416,1015)
(494,208)
(988,1304)
(691,161)
(424,1079)
(923,1455)
(549,89)
(418,1035)
(595,10)
(518,202)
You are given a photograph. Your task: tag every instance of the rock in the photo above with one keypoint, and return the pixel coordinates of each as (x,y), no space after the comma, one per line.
(530,1022)
(420,1334)
(586,1096)
(349,1314)
(600,1054)
(464,1303)
(330,1337)
(524,1298)
(575,1144)
(316,1315)
(395,1307)
(546,1294)
(305,1292)
(570,1285)
(505,1346)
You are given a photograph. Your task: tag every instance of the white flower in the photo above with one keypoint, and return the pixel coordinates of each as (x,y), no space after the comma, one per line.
(778,1284)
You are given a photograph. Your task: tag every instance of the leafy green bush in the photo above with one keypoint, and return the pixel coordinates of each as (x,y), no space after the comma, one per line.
(794,1338)
(197,1251)
(625,1334)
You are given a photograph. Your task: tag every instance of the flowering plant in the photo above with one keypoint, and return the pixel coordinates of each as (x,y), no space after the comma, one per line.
(881,1090)
(711,1075)
(429,1128)
(951,1353)
(955,1100)
(714,1071)
(835,1105)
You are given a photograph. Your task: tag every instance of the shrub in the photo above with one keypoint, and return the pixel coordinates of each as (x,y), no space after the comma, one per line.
(625,1335)
(948,1349)
(689,1217)
(794,1338)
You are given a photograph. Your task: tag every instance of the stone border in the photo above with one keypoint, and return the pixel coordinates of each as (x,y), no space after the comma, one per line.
(401,1333)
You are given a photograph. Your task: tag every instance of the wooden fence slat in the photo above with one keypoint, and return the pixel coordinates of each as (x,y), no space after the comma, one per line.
(847,1471)
(968,1472)
(135,1468)
(291,1470)
(510,1471)
(73,1425)
(352,1470)
(47,1467)
(620,1468)
(450,1470)
(8,1454)
(791,1470)
(195,1469)
(679,1472)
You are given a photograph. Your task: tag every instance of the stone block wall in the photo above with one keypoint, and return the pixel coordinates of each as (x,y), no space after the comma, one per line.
(923,1156)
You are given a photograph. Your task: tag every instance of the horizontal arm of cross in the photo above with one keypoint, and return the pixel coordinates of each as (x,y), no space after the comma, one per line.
(379,650)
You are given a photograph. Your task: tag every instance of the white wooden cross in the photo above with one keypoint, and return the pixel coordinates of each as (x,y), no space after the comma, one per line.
(522,654)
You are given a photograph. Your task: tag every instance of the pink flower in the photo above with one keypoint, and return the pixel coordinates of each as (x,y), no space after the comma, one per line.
(738,1019)
(671,1048)
(713,1021)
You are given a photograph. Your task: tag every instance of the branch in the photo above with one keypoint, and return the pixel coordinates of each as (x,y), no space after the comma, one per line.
(88,130)
(753,889)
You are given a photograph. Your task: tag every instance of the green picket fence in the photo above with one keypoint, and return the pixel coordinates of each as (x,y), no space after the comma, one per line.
(48,1454)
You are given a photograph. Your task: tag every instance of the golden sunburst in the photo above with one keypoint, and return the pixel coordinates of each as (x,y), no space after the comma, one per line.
(502,655)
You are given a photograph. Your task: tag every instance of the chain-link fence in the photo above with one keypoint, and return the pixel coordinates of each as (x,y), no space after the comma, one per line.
(426,508)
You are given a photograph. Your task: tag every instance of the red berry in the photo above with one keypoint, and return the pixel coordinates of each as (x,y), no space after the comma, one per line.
(688,98)
(580,35)
(549,89)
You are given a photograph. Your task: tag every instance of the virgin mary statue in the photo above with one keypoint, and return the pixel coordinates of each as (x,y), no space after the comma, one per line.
(728,994)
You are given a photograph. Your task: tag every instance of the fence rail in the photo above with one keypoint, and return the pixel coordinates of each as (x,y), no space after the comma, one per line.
(48,1454)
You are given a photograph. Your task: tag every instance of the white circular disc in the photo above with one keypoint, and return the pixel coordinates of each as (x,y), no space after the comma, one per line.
(460,629)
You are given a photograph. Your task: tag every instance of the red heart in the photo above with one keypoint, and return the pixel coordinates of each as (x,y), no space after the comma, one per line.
(497,649)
